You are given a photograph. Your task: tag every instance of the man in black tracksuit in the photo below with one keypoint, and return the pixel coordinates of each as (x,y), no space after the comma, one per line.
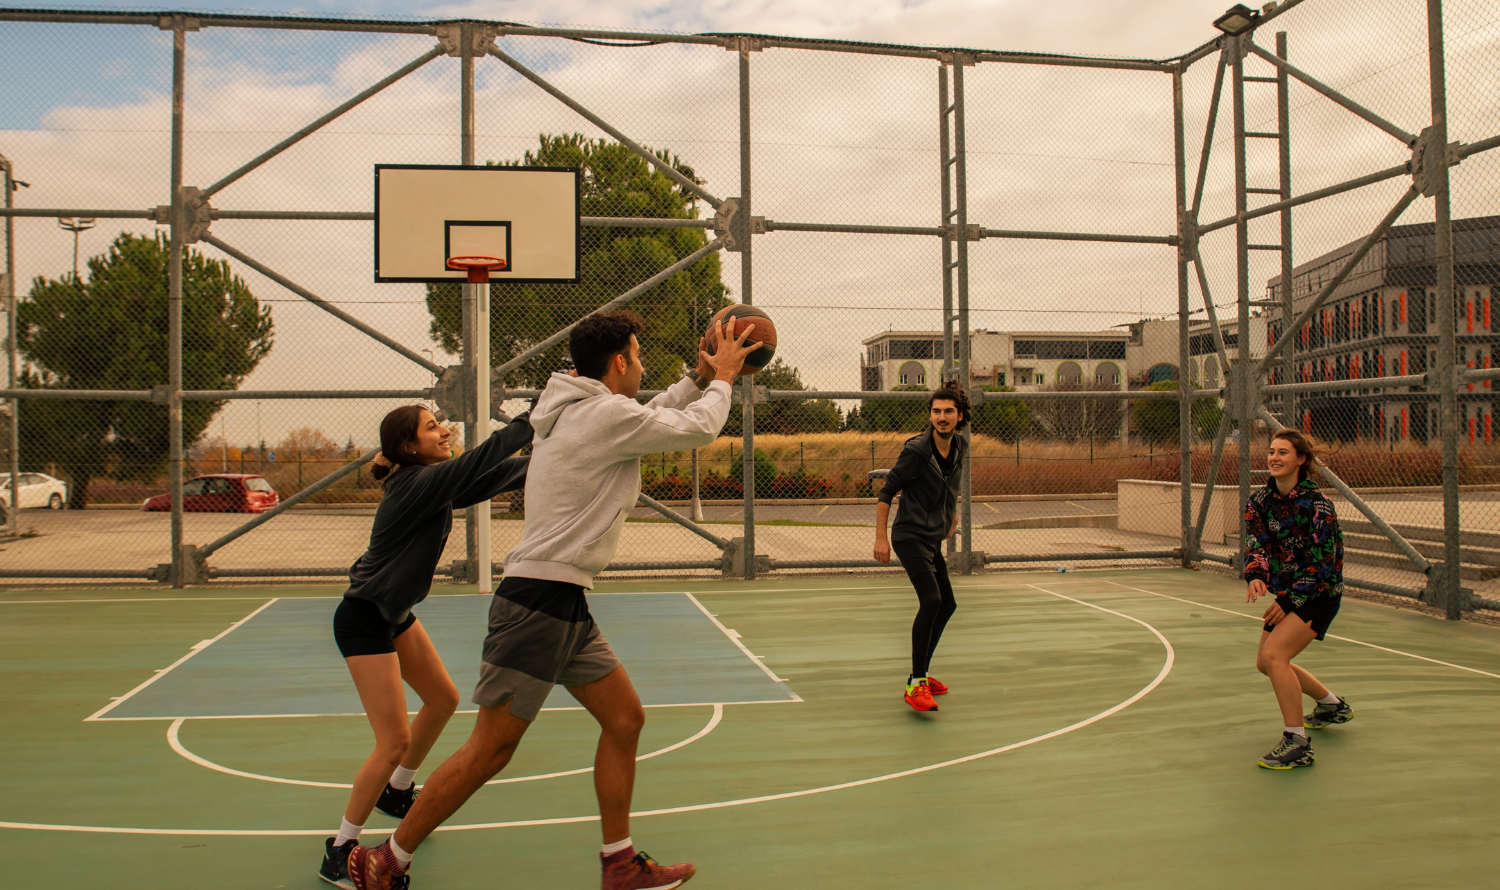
(927,475)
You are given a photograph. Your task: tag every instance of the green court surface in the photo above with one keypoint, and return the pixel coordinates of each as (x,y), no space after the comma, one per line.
(1101,732)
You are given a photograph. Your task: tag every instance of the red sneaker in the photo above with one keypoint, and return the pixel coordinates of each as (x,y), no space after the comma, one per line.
(938,687)
(376,869)
(919,696)
(641,872)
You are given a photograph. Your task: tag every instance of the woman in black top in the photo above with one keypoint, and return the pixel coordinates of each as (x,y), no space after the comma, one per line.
(927,475)
(381,640)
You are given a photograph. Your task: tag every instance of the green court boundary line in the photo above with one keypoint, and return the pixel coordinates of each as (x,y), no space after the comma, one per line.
(176,743)
(1331,636)
(1166,668)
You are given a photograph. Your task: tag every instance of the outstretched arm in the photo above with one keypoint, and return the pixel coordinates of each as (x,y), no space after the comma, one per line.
(477,471)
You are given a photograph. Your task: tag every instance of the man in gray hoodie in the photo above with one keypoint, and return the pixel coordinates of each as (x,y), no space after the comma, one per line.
(584,478)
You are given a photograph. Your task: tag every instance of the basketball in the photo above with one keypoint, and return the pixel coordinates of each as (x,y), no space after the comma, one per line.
(743,316)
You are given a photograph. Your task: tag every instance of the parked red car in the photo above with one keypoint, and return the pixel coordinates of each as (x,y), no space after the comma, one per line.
(220,493)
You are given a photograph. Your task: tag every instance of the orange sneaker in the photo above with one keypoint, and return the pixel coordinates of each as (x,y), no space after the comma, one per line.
(937,686)
(920,697)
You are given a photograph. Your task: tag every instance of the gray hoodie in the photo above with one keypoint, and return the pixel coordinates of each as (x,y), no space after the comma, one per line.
(585,472)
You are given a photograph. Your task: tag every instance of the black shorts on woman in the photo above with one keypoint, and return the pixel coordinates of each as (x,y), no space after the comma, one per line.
(928,484)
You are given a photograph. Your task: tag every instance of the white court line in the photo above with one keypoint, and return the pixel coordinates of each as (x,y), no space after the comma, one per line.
(176,743)
(226,599)
(164,671)
(1331,636)
(735,639)
(161,599)
(1161,675)
(686,704)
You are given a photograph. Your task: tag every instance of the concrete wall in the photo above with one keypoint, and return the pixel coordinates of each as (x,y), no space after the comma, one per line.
(1155,508)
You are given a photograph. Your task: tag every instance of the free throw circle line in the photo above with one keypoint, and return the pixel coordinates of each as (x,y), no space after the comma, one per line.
(1161,675)
(176,743)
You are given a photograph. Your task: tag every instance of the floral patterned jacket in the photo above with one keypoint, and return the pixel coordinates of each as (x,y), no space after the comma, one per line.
(1293,542)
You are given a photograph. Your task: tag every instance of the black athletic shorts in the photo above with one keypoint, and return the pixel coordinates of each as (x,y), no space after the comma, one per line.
(360,629)
(1318,611)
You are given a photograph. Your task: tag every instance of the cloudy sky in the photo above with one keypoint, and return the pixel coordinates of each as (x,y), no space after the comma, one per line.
(837,138)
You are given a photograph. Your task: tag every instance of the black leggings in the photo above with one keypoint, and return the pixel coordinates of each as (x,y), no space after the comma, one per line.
(929,575)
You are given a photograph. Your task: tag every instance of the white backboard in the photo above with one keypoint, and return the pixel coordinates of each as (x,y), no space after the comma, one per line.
(527,216)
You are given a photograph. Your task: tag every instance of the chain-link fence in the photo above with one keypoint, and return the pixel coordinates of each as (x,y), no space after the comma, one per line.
(1099,249)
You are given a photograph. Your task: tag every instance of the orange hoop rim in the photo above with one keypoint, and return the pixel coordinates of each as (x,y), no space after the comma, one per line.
(478,267)
(464,263)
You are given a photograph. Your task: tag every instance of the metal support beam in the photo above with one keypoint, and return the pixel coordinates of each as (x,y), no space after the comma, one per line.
(1284,187)
(179,221)
(1243,382)
(203,553)
(684,263)
(323,304)
(1421,562)
(1317,195)
(685,522)
(1449,593)
(1331,93)
(474,303)
(747,293)
(965,348)
(682,181)
(1370,241)
(321,122)
(13,423)
(1208,133)
(1210,481)
(1185,403)
(945,166)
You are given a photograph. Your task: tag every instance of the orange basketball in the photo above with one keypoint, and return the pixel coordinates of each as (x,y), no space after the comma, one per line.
(742,317)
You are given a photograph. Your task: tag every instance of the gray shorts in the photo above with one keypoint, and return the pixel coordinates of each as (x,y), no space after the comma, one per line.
(541,634)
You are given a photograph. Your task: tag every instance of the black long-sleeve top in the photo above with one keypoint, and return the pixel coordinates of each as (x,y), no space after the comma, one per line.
(928,487)
(416,514)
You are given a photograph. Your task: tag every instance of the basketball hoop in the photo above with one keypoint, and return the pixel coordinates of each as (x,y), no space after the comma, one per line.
(478,267)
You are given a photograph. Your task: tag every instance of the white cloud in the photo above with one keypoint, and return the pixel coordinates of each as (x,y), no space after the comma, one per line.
(837,138)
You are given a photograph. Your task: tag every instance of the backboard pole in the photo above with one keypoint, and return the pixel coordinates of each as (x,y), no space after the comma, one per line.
(747,418)
(180,566)
(476,336)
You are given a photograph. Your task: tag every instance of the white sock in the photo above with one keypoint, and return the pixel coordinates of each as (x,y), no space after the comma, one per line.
(1331,699)
(348,831)
(403,778)
(402,856)
(1297,730)
(617,846)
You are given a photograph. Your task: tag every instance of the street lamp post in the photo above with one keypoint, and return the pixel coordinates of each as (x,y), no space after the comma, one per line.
(75,224)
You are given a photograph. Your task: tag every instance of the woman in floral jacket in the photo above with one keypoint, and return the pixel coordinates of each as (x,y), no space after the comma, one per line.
(1294,551)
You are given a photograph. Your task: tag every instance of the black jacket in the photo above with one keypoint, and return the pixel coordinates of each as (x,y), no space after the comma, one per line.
(929,499)
(416,514)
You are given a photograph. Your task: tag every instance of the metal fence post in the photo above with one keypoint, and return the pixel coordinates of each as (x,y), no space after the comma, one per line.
(14,427)
(961,208)
(747,460)
(1184,391)
(476,340)
(181,566)
(945,159)
(1242,278)
(1449,595)
(1284,184)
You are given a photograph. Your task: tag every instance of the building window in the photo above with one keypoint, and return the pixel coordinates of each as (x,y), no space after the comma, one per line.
(1041,379)
(913,374)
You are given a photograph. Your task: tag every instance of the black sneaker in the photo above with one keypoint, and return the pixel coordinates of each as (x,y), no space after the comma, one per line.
(1294,751)
(335,869)
(394,802)
(1328,715)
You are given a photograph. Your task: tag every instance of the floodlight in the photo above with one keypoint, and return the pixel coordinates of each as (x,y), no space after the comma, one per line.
(1239,19)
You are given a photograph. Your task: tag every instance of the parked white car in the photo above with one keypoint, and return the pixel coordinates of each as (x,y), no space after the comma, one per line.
(37,490)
